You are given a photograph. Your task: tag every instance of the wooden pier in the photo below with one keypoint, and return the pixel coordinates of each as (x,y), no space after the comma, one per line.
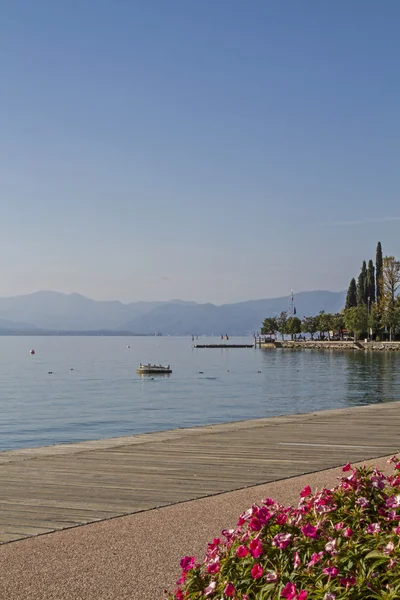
(223,346)
(57,487)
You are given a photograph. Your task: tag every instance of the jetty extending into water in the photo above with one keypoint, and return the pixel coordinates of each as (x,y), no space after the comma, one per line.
(223,346)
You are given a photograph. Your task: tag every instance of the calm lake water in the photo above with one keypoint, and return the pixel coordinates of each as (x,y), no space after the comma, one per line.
(94,391)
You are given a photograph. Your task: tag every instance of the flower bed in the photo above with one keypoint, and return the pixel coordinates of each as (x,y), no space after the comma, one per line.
(339,543)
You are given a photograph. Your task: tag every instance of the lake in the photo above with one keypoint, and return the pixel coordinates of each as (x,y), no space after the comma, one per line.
(94,391)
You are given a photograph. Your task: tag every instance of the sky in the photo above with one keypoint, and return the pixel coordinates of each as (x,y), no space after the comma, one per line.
(214,151)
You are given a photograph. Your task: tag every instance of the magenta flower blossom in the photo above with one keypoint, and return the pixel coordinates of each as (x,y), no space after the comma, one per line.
(363,502)
(346,467)
(373,528)
(289,591)
(348,532)
(282,540)
(315,559)
(230,590)
(305,492)
(339,526)
(393,501)
(269,502)
(256,548)
(187,563)
(331,571)
(242,551)
(257,571)
(348,581)
(309,531)
(388,549)
(210,588)
(397,530)
(296,561)
(329,596)
(255,524)
(271,576)
(331,547)
(214,566)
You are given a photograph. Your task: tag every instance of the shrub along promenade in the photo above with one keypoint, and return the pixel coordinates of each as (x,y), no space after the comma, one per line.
(61,487)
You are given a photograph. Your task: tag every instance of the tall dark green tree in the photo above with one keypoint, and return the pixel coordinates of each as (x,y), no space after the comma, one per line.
(371,282)
(351,298)
(379,273)
(362,285)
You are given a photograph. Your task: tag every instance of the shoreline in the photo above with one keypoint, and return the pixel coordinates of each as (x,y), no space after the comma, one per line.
(369,346)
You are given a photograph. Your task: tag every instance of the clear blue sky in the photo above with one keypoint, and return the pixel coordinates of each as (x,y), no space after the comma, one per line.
(207,150)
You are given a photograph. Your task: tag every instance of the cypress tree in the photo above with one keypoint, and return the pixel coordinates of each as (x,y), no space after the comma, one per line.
(351,298)
(362,285)
(371,281)
(378,272)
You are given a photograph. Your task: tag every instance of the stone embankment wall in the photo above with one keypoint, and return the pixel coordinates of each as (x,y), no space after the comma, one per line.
(360,345)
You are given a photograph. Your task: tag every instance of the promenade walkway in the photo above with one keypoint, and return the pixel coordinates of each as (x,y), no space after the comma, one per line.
(57,487)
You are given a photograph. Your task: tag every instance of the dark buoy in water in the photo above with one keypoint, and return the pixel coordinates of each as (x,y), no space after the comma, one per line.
(71,369)
(201,372)
(128,346)
(32,352)
(258,371)
(50,373)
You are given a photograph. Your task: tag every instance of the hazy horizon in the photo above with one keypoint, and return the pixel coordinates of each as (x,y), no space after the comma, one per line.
(205,151)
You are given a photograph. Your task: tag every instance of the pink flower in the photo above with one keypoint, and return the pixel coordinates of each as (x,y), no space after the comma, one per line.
(242,551)
(187,563)
(281,518)
(303,595)
(209,589)
(339,526)
(309,531)
(331,571)
(229,590)
(271,576)
(393,459)
(348,532)
(315,558)
(269,502)
(397,530)
(282,540)
(389,548)
(213,567)
(256,548)
(296,561)
(346,467)
(329,596)
(374,528)
(255,524)
(289,591)
(331,547)
(393,501)
(363,502)
(348,581)
(305,492)
(257,571)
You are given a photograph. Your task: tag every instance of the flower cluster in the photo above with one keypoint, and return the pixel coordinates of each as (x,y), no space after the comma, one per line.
(336,544)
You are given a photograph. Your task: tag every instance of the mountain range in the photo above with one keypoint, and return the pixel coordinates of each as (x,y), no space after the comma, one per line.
(57,312)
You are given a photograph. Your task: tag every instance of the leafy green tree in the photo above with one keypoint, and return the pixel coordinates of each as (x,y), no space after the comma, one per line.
(378,272)
(374,320)
(356,319)
(351,298)
(371,282)
(293,326)
(362,285)
(324,323)
(281,323)
(338,324)
(310,325)
(389,290)
(269,326)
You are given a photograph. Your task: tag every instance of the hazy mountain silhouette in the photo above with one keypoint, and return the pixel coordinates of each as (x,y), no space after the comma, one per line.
(61,312)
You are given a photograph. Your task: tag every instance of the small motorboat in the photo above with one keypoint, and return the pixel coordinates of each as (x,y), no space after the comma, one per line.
(153,369)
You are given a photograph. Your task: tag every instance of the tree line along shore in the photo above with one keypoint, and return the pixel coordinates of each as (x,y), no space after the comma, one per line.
(372,308)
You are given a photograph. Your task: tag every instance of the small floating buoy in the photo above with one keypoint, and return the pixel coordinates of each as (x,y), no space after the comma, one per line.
(71,369)
(50,373)
(128,346)
(32,352)
(201,372)
(258,371)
